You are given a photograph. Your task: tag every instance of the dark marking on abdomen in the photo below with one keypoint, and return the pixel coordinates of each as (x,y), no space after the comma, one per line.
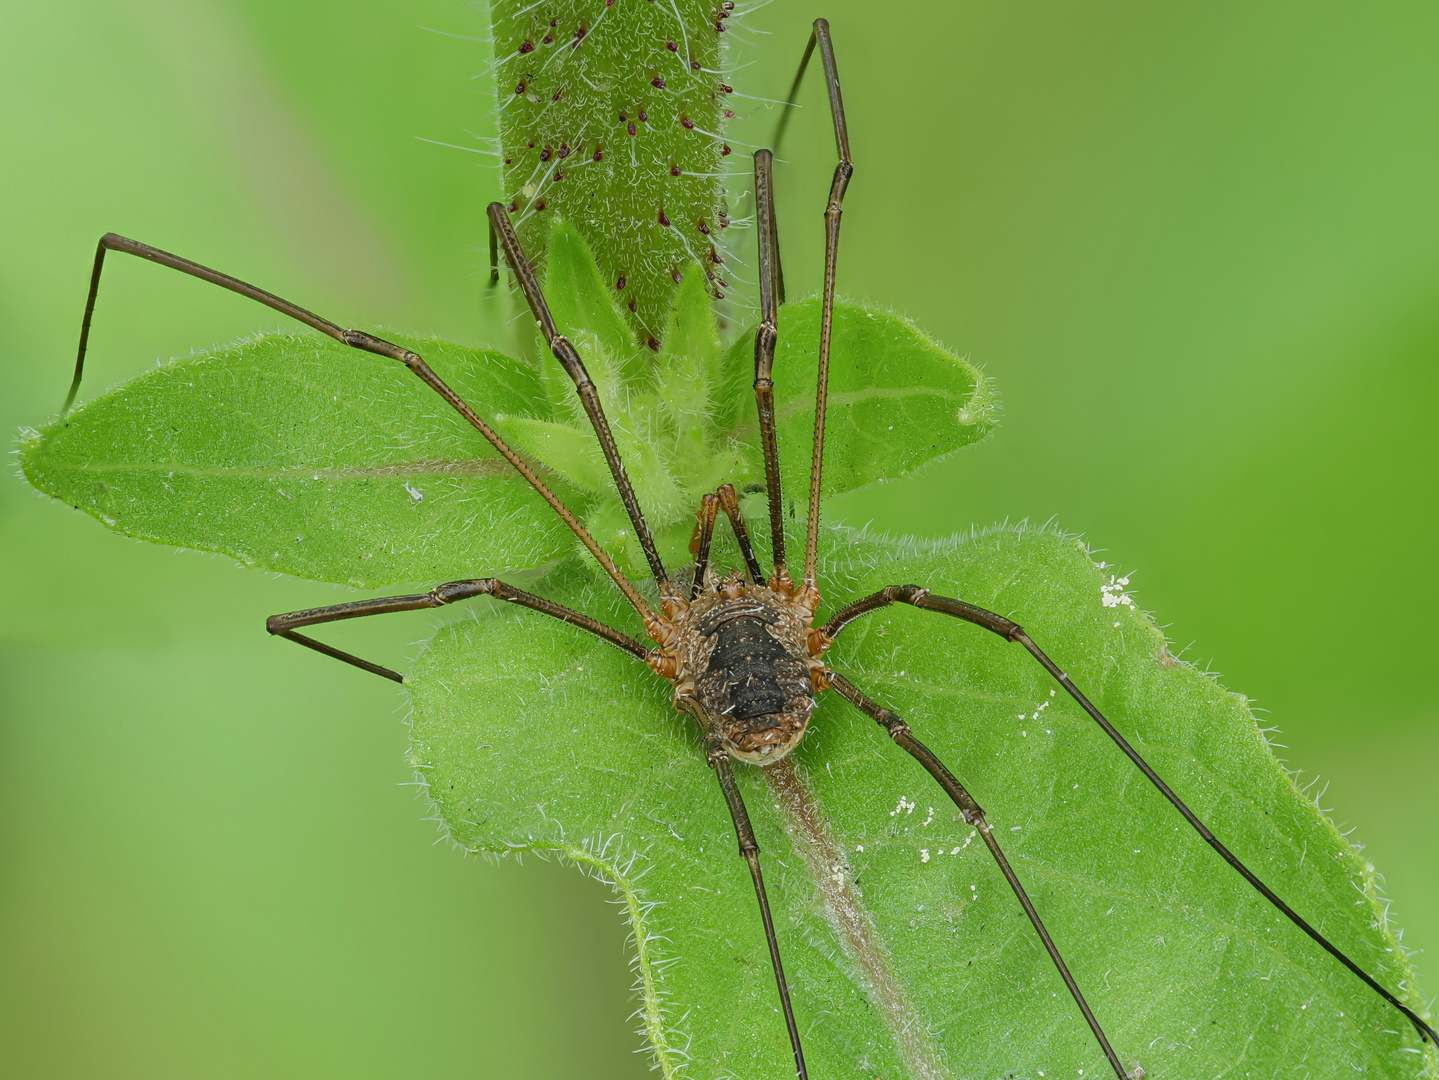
(750,673)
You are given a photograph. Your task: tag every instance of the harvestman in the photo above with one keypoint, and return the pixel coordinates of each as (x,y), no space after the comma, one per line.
(741,652)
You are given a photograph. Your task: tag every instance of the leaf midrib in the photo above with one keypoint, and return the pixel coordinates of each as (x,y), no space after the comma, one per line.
(434,467)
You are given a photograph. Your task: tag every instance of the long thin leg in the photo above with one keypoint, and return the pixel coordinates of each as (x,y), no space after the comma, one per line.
(730,501)
(765,335)
(285,625)
(494,256)
(360,340)
(900,733)
(704,533)
(789,101)
(842,173)
(1012,631)
(749,851)
(574,367)
(774,250)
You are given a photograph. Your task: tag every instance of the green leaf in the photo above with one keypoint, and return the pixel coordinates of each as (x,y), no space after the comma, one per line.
(897,398)
(297,454)
(533,736)
(688,368)
(567,450)
(580,300)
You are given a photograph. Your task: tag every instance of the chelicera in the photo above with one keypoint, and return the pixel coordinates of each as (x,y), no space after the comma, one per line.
(741,650)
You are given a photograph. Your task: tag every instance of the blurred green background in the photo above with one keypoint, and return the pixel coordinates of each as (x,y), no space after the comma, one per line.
(1196,245)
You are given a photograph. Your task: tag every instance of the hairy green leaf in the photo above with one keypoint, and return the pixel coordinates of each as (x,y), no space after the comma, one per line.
(897,398)
(688,370)
(295,453)
(579,300)
(907,954)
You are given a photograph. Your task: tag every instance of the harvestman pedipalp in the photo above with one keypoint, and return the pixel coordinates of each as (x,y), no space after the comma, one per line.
(741,652)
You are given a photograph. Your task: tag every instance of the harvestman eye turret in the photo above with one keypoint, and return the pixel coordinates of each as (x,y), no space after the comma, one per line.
(741,651)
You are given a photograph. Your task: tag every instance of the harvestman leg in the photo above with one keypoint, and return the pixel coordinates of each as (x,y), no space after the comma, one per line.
(285,626)
(368,343)
(771,283)
(704,534)
(700,548)
(729,501)
(718,760)
(973,815)
(574,367)
(1011,631)
(842,173)
(765,335)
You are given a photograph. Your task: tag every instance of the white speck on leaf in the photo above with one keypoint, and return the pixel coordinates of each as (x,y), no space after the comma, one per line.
(1112,594)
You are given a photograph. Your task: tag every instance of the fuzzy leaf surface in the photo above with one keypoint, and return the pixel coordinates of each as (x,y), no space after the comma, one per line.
(534,737)
(297,454)
(897,398)
(578,298)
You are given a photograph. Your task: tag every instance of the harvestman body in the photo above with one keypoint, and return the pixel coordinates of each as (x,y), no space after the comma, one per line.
(741,652)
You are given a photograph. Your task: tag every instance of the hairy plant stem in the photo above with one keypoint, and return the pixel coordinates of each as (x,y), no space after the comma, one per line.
(611,116)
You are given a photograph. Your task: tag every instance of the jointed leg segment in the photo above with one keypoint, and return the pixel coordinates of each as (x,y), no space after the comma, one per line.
(1012,631)
(765,335)
(369,343)
(574,367)
(710,506)
(700,547)
(729,501)
(286,625)
(749,850)
(899,731)
(842,173)
(771,275)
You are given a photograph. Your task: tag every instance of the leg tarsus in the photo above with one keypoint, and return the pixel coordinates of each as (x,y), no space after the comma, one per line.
(494,257)
(340,654)
(789,101)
